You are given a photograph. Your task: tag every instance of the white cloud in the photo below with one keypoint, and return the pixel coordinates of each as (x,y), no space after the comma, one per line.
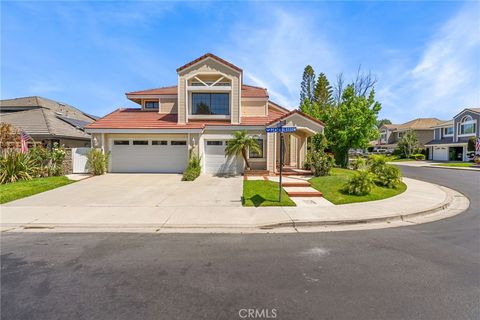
(274,47)
(446,76)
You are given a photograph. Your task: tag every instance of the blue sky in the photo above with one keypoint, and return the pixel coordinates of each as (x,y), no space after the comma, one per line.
(425,55)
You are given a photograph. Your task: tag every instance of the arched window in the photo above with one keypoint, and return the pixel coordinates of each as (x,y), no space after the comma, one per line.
(467,126)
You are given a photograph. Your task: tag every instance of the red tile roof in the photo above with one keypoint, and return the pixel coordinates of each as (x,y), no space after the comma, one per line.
(285,115)
(142,119)
(247,91)
(209,55)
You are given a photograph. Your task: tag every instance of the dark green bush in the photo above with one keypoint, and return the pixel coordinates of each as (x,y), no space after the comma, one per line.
(193,169)
(359,184)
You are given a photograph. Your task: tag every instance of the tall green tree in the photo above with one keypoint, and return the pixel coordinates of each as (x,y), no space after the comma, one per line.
(307,90)
(352,123)
(408,143)
(382,122)
(323,97)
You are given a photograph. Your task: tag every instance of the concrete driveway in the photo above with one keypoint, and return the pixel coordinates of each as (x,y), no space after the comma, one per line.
(141,190)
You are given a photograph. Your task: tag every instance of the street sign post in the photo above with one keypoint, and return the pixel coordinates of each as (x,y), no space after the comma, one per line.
(280,129)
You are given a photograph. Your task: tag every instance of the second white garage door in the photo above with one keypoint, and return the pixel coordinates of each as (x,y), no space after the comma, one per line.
(440,154)
(217,163)
(168,156)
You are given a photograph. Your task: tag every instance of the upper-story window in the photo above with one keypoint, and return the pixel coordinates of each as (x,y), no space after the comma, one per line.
(467,126)
(210,103)
(448,131)
(151,105)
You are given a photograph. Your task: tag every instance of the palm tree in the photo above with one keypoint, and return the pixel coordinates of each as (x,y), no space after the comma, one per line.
(240,144)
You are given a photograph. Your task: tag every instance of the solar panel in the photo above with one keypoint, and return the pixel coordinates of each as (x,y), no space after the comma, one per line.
(75,122)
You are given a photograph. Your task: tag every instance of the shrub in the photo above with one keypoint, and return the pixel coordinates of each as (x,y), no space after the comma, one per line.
(376,162)
(57,155)
(360,184)
(47,162)
(193,170)
(16,166)
(471,144)
(389,176)
(97,161)
(319,162)
(418,156)
(359,163)
(40,156)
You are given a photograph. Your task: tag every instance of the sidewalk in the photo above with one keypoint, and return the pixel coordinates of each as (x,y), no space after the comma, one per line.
(431,164)
(421,198)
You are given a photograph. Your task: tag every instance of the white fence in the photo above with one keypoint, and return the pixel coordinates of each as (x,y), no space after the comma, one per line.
(79,160)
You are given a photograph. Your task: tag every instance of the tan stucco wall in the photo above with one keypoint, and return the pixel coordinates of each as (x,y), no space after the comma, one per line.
(293,150)
(209,66)
(256,108)
(299,121)
(271,152)
(168,105)
(424,136)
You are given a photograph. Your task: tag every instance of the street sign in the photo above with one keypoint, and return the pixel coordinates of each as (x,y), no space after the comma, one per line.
(281,129)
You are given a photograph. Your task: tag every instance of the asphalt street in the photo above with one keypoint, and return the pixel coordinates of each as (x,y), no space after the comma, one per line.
(429,271)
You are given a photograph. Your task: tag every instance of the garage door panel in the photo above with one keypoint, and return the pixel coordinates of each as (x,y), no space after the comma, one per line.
(440,154)
(149,158)
(216,162)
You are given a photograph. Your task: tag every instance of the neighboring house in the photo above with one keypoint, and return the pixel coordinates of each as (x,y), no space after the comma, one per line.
(47,121)
(451,137)
(199,115)
(390,134)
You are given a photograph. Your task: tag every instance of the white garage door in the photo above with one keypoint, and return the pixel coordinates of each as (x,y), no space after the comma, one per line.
(217,163)
(168,156)
(440,154)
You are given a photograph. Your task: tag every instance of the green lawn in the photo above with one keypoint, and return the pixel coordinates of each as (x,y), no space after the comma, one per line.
(261,193)
(331,187)
(22,189)
(457,164)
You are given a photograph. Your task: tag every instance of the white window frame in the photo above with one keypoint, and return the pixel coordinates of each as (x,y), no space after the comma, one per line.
(465,122)
(447,134)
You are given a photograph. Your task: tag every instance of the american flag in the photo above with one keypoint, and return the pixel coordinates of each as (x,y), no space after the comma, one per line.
(477,145)
(24,137)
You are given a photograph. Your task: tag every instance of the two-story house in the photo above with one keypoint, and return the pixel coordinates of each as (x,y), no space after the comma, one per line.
(390,134)
(451,137)
(199,115)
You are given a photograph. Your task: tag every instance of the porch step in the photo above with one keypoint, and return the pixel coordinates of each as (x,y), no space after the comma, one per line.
(304,194)
(295,184)
(256,173)
(294,173)
(304,191)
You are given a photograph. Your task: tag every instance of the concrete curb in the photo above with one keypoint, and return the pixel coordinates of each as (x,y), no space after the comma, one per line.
(382,219)
(454,168)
